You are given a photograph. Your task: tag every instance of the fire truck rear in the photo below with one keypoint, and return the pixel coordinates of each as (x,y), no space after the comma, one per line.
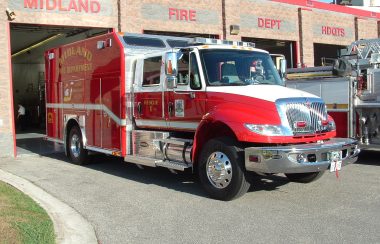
(216,107)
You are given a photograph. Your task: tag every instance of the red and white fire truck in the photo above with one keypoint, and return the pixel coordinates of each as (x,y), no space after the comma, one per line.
(351,90)
(217,107)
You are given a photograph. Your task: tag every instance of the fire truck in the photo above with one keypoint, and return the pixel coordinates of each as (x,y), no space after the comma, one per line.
(218,108)
(351,89)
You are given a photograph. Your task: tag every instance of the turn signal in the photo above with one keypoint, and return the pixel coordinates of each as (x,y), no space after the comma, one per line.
(300,124)
(254,158)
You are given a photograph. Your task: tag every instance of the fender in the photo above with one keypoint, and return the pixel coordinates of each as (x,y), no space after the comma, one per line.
(229,120)
(71,120)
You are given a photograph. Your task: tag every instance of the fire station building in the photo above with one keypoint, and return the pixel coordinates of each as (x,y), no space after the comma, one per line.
(307,32)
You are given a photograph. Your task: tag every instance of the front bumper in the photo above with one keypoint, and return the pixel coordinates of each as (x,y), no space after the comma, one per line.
(317,156)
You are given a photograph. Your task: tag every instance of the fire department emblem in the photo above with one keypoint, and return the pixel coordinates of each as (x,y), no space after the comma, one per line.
(179,108)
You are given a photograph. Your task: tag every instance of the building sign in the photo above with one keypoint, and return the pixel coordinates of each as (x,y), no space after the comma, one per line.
(96,7)
(333,31)
(269,23)
(171,13)
(182,14)
(337,32)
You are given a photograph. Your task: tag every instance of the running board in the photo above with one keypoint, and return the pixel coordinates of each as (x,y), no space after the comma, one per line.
(151,162)
(173,165)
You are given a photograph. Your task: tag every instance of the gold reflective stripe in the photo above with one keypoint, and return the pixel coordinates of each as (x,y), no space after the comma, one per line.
(337,106)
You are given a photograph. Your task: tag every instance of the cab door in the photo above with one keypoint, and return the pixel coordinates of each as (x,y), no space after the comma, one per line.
(185,103)
(148,100)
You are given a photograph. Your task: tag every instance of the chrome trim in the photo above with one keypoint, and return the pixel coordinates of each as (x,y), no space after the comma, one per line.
(140,160)
(219,170)
(276,160)
(101,150)
(89,106)
(308,109)
(164,123)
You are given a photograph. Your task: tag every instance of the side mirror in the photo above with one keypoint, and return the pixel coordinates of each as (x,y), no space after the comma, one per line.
(283,68)
(171,69)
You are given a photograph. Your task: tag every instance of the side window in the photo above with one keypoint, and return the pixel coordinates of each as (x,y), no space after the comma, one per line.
(183,70)
(152,71)
(195,80)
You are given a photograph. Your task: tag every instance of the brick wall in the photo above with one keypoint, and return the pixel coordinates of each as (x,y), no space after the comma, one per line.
(306,37)
(174,16)
(106,17)
(265,19)
(6,113)
(367,28)
(323,27)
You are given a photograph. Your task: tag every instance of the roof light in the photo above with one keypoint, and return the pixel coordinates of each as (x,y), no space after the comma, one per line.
(210,41)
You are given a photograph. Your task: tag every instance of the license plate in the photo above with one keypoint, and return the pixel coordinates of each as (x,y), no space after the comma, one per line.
(335,161)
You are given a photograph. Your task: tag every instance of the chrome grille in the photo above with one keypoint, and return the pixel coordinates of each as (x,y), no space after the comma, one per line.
(310,112)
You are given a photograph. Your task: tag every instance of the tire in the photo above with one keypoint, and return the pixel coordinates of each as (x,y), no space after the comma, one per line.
(76,152)
(221,169)
(305,177)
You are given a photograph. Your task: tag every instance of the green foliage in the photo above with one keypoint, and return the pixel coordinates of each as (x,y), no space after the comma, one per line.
(21,219)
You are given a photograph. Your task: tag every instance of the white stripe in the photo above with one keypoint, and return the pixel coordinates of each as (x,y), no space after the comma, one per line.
(101,107)
(170,124)
(265,92)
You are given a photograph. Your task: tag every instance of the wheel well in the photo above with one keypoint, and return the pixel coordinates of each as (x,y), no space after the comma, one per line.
(209,131)
(72,123)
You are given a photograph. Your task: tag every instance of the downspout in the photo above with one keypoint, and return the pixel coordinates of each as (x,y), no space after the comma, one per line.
(224,19)
(118,16)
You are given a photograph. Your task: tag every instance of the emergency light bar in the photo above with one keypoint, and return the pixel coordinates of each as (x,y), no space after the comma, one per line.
(210,41)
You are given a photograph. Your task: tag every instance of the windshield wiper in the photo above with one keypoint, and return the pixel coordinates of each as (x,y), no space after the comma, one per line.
(234,84)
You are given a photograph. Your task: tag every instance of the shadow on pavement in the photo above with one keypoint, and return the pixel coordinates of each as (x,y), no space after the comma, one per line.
(369,157)
(35,144)
(182,181)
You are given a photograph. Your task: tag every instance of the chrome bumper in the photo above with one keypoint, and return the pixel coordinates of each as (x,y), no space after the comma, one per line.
(316,156)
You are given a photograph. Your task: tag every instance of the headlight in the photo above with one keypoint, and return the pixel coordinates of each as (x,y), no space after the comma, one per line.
(332,125)
(266,130)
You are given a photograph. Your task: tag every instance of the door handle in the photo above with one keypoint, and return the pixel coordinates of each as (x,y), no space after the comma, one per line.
(170,108)
(139,108)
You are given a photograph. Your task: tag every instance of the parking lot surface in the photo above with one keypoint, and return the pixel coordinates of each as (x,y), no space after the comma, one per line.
(128,205)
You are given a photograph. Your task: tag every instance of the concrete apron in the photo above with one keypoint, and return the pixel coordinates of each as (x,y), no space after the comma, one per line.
(69,225)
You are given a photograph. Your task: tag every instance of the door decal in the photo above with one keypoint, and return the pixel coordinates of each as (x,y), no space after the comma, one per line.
(179,108)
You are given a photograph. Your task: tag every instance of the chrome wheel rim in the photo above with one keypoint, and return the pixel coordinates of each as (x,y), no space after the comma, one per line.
(75,145)
(219,170)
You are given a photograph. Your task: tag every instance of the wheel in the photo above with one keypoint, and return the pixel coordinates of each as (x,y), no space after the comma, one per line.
(221,169)
(305,177)
(77,153)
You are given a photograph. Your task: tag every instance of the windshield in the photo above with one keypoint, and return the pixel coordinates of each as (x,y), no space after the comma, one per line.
(238,68)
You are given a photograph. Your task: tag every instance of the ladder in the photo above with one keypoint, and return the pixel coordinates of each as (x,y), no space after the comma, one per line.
(364,48)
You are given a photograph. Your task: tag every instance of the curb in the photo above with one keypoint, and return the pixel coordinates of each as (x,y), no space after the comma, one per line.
(69,225)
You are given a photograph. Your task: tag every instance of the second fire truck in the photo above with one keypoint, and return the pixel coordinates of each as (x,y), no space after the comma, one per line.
(351,90)
(219,108)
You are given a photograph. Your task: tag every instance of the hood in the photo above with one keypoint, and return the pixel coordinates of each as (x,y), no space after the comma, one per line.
(268,93)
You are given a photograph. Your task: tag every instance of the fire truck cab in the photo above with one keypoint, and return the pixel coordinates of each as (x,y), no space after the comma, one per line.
(217,107)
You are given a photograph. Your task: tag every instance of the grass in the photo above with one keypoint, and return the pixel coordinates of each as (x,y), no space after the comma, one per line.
(22,220)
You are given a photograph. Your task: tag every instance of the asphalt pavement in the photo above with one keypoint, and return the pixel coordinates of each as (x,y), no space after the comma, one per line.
(128,205)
